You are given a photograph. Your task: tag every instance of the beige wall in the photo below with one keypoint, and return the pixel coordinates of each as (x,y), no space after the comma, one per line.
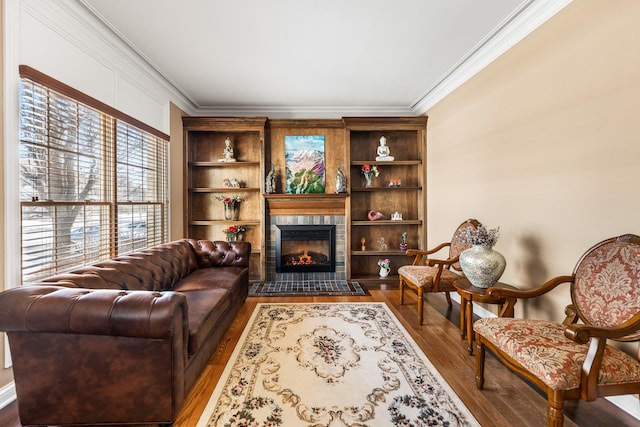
(544,143)
(176,168)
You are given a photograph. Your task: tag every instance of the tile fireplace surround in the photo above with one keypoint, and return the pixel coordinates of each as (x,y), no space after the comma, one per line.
(337,220)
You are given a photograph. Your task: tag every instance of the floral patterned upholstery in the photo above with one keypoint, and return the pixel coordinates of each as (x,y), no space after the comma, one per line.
(459,244)
(607,289)
(542,348)
(422,276)
(575,359)
(435,275)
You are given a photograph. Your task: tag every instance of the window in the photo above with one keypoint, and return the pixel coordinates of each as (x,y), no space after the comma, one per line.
(93,182)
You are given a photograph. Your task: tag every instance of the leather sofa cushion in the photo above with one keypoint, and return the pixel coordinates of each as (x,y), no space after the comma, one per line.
(205,308)
(207,278)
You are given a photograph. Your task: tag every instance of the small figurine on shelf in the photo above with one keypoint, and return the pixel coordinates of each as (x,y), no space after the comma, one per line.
(382,244)
(374,215)
(396,216)
(341,181)
(383,152)
(227,152)
(233,183)
(270,182)
(363,247)
(403,241)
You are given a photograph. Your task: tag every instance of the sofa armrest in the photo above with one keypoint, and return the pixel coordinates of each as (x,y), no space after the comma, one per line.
(137,314)
(221,254)
(96,356)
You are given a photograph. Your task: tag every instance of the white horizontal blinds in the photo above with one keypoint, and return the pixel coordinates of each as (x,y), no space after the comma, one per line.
(91,185)
(64,152)
(141,188)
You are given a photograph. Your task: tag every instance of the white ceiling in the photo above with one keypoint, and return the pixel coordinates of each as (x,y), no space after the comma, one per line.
(324,57)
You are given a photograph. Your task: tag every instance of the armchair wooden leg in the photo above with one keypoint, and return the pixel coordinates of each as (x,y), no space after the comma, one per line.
(555,411)
(446,294)
(401,288)
(420,305)
(480,354)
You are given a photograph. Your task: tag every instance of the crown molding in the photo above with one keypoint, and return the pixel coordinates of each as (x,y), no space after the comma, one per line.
(508,33)
(529,16)
(304,112)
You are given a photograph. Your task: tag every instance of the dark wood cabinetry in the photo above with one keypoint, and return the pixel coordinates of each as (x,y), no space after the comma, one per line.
(350,143)
(398,188)
(206,175)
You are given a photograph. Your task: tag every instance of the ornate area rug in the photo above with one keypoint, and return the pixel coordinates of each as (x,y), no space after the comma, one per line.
(330,364)
(306,288)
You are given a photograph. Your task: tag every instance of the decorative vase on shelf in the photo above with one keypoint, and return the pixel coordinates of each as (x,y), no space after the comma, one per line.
(385,266)
(482,265)
(230,212)
(384,272)
(367,181)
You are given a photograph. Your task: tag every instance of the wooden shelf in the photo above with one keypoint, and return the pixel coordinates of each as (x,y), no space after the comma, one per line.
(372,278)
(385,222)
(222,189)
(406,138)
(205,222)
(204,142)
(378,253)
(394,163)
(223,164)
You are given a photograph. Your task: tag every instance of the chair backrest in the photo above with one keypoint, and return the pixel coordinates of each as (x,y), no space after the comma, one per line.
(459,243)
(606,289)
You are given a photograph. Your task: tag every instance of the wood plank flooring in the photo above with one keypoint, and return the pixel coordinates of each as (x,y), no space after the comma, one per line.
(506,399)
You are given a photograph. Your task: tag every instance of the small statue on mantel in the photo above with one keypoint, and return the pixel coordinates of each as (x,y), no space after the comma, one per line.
(383,152)
(227,152)
(270,182)
(341,182)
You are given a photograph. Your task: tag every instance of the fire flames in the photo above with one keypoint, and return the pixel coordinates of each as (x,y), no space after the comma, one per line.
(304,259)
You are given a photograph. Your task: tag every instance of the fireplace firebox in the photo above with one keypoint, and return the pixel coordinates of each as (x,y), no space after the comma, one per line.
(305,248)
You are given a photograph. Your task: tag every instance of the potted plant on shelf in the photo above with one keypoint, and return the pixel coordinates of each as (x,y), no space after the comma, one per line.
(230,206)
(233,233)
(368,172)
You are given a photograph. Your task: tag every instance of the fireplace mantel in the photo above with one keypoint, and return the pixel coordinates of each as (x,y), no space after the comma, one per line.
(306,204)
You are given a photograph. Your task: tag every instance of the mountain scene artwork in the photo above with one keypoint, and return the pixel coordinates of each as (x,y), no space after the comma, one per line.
(304,160)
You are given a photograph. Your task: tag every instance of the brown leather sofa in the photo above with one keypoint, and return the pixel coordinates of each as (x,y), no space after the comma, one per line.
(122,341)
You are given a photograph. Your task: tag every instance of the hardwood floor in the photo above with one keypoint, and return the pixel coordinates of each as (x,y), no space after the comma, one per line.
(506,399)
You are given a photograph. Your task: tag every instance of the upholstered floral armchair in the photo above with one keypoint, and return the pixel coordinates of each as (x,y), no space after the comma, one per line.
(573,360)
(428,274)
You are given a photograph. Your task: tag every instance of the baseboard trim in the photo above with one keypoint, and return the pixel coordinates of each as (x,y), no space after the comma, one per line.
(7,394)
(628,403)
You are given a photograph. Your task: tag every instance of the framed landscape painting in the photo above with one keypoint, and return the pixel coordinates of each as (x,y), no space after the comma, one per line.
(304,163)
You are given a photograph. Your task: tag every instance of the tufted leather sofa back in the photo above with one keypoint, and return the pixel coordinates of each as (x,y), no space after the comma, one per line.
(155,269)
(221,254)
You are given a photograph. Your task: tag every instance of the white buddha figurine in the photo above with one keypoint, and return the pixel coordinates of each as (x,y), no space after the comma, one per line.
(227,152)
(383,151)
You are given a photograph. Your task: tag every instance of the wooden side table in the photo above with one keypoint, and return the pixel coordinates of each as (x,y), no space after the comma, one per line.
(469,294)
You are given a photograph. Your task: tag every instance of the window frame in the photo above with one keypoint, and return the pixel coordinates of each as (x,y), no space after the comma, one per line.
(115,123)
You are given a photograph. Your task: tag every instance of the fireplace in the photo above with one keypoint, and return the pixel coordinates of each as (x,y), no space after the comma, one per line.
(305,248)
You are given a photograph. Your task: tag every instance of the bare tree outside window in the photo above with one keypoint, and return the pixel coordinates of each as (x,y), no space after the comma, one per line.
(88,184)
